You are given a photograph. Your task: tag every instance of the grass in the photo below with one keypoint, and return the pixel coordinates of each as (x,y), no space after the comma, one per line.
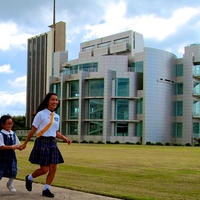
(137,172)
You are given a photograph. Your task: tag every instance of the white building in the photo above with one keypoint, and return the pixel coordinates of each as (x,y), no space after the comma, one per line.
(119,90)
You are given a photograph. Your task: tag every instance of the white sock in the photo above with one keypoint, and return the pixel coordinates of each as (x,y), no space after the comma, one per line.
(46,186)
(30,178)
(10,181)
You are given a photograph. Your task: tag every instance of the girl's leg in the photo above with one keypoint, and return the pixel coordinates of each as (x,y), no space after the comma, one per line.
(49,180)
(41,171)
(10,185)
(10,181)
(38,172)
(51,174)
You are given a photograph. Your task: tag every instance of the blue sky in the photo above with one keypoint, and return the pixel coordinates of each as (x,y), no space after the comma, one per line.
(169,25)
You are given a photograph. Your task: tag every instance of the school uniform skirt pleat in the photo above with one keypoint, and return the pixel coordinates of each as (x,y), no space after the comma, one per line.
(8,164)
(45,152)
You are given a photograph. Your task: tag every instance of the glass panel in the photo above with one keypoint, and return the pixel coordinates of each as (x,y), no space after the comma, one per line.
(96,87)
(121,129)
(122,87)
(74,89)
(196,108)
(178,88)
(137,67)
(196,130)
(122,109)
(178,108)
(73,109)
(139,106)
(95,128)
(196,127)
(179,70)
(139,129)
(178,130)
(196,70)
(96,109)
(196,88)
(73,128)
(56,88)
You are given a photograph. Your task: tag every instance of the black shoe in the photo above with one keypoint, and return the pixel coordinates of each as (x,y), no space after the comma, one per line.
(28,184)
(47,193)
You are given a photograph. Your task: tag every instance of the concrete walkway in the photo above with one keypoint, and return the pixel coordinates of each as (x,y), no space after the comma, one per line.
(36,193)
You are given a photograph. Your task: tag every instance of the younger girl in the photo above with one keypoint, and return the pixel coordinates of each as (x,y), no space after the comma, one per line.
(8,143)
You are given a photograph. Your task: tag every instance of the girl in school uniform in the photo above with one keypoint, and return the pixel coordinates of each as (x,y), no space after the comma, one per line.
(9,142)
(45,151)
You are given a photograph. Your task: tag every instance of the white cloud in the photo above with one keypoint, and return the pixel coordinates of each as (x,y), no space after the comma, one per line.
(11,36)
(13,104)
(6,69)
(12,99)
(18,82)
(151,26)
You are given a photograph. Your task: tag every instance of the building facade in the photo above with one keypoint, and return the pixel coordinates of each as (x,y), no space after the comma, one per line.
(120,90)
(39,65)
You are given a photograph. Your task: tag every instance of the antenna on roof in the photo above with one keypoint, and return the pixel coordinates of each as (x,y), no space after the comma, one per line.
(54,26)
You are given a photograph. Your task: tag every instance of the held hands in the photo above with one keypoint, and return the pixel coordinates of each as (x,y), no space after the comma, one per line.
(21,147)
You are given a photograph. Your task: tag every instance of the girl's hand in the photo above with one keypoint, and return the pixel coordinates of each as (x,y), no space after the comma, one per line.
(21,147)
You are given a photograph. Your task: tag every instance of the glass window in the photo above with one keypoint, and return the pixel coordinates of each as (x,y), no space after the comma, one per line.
(73,128)
(73,109)
(56,88)
(121,129)
(178,130)
(95,128)
(139,129)
(196,70)
(179,70)
(196,88)
(122,108)
(137,67)
(196,128)
(196,108)
(74,89)
(178,88)
(122,87)
(96,87)
(139,106)
(96,109)
(178,108)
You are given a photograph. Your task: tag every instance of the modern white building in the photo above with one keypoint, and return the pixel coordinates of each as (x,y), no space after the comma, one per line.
(120,90)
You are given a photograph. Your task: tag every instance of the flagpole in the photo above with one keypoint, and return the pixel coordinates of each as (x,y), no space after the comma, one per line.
(54,26)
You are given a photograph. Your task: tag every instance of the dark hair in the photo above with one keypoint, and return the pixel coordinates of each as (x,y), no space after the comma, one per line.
(45,102)
(3,120)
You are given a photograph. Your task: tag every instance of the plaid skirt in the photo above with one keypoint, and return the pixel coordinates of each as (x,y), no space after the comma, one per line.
(8,164)
(45,152)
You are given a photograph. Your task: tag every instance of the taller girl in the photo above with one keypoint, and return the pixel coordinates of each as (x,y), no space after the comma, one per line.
(45,151)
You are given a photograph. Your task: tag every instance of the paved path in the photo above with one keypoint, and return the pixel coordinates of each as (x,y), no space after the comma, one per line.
(36,193)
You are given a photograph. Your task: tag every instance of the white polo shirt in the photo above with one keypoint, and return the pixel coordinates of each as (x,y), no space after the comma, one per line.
(7,133)
(43,118)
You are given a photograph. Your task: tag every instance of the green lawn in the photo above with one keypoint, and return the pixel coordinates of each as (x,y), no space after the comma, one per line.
(125,171)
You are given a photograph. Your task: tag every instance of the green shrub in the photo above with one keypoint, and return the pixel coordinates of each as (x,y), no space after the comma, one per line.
(159,143)
(138,143)
(100,142)
(84,141)
(148,143)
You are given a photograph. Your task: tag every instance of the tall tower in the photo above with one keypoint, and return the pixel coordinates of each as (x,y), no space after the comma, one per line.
(40,56)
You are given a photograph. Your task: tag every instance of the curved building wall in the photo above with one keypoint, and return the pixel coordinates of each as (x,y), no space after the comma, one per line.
(158,85)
